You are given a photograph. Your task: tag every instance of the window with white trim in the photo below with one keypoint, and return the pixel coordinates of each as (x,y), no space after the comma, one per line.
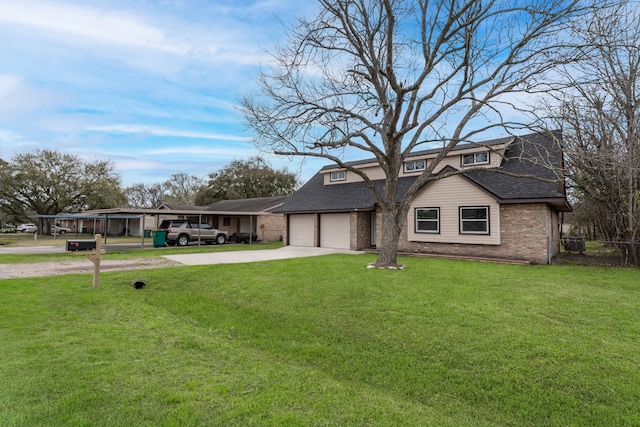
(415,165)
(475,159)
(474,220)
(338,175)
(427,220)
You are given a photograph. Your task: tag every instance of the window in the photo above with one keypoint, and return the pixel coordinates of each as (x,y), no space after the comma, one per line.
(415,165)
(427,220)
(338,175)
(475,159)
(474,220)
(226,221)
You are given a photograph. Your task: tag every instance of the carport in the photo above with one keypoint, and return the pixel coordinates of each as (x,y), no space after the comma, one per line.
(151,217)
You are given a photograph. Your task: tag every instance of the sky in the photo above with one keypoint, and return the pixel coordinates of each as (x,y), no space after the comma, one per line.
(152,85)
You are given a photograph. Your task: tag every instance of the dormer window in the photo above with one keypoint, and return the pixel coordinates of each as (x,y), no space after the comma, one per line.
(475,159)
(338,176)
(415,166)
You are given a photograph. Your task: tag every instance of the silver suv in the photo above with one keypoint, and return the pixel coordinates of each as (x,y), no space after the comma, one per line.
(181,232)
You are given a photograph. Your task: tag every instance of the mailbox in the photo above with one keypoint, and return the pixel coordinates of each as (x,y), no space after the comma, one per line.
(81,245)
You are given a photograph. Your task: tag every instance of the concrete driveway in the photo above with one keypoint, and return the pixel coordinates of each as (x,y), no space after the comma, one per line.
(236,257)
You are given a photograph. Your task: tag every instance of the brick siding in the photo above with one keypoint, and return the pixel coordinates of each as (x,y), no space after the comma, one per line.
(525,233)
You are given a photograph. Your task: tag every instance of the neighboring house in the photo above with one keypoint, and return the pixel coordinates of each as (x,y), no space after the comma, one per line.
(238,217)
(242,216)
(476,213)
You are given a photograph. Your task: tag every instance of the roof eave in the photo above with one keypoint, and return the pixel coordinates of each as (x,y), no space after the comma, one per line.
(560,203)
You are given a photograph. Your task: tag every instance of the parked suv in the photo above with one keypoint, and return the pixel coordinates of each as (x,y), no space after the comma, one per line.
(27,228)
(181,232)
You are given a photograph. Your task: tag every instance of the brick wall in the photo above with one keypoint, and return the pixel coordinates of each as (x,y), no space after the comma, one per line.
(524,233)
(360,231)
(270,228)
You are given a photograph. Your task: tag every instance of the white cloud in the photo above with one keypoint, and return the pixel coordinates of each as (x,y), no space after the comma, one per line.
(159,131)
(17,97)
(85,22)
(9,85)
(203,151)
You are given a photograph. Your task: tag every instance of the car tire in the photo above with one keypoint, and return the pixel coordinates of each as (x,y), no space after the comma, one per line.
(221,239)
(62,232)
(183,240)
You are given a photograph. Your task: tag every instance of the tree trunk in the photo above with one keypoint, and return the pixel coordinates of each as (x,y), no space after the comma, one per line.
(389,238)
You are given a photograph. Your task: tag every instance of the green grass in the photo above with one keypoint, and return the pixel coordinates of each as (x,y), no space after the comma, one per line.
(326,342)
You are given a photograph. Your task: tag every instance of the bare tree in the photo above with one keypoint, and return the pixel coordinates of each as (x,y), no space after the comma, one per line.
(143,195)
(384,77)
(182,188)
(600,115)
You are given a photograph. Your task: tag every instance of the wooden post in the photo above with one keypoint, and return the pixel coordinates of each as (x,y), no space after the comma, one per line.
(94,256)
(92,250)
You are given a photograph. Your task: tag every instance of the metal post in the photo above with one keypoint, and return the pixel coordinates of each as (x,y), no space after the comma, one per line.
(143,231)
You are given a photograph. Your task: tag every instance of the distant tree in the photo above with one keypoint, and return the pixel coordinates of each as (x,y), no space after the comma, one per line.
(48,182)
(11,210)
(382,78)
(183,188)
(600,116)
(245,179)
(145,196)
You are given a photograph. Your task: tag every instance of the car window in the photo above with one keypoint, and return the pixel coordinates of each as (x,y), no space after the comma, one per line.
(206,226)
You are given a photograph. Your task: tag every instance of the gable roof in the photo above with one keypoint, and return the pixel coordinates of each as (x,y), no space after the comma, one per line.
(256,205)
(520,158)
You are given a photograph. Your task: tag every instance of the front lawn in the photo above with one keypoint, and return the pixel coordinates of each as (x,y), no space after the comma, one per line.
(326,342)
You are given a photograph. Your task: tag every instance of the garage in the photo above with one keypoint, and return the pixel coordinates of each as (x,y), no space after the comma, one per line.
(301,230)
(335,231)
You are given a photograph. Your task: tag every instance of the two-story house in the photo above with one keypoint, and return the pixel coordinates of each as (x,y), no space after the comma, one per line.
(510,208)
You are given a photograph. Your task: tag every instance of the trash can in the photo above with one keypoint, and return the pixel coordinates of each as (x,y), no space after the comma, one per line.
(147,233)
(85,230)
(159,236)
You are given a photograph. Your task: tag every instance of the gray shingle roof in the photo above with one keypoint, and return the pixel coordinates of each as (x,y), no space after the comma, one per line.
(261,204)
(314,196)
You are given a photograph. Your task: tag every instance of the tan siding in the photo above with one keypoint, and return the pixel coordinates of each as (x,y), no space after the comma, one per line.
(372,172)
(449,194)
(375,172)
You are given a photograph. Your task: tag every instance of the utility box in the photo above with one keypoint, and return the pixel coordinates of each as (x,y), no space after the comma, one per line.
(574,244)
(81,245)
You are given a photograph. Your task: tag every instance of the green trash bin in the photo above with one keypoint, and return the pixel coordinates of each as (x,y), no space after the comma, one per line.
(159,236)
(147,233)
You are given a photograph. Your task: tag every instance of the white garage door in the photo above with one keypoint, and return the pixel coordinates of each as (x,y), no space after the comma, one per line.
(301,230)
(334,231)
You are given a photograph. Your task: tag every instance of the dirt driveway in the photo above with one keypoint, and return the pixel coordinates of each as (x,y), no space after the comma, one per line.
(14,271)
(83,265)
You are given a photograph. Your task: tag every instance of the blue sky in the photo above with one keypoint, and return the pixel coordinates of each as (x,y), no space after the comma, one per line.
(152,85)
